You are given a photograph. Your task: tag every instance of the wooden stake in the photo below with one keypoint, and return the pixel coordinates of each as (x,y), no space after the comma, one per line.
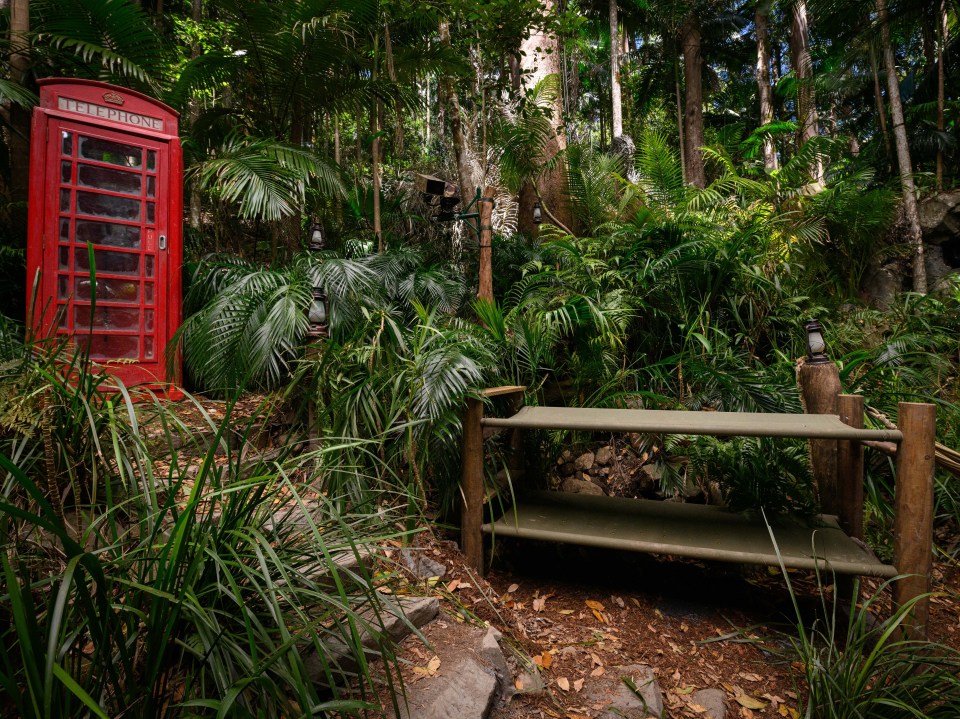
(850,467)
(485,290)
(820,386)
(913,525)
(471,485)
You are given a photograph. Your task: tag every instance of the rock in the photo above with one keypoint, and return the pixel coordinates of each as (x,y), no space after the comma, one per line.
(618,701)
(580,486)
(472,675)
(565,457)
(879,286)
(531,683)
(604,455)
(940,214)
(584,461)
(397,620)
(420,565)
(713,700)
(569,468)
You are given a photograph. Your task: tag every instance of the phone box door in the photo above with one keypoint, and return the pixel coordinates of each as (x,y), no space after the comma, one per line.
(105,225)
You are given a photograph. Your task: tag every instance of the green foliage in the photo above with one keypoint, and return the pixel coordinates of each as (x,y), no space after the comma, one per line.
(177,592)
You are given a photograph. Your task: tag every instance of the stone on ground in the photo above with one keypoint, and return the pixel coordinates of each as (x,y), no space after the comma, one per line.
(469,674)
(713,701)
(580,486)
(420,565)
(619,701)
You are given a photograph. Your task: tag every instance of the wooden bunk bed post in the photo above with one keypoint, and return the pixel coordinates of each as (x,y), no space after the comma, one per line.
(850,467)
(471,485)
(913,523)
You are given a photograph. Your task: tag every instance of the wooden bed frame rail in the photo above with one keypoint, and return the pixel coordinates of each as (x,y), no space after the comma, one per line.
(623,524)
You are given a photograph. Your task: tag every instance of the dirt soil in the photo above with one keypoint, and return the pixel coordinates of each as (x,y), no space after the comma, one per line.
(575,612)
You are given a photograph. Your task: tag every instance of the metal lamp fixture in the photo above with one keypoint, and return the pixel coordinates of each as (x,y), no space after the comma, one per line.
(816,346)
(318,314)
(537,213)
(316,236)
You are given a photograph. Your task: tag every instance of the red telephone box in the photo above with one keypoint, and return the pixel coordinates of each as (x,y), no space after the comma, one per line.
(107,169)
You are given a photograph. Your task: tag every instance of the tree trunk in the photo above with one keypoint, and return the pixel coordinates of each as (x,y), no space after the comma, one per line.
(616,102)
(467,166)
(398,137)
(196,201)
(763,86)
(881,110)
(693,108)
(914,234)
(375,151)
(541,57)
(941,76)
(803,70)
(19,117)
(676,87)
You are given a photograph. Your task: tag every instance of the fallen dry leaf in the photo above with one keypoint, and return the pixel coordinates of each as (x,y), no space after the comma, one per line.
(563,683)
(539,603)
(451,586)
(748,702)
(594,604)
(518,684)
(599,615)
(512,588)
(546,660)
(746,713)
(578,685)
(598,672)
(566,611)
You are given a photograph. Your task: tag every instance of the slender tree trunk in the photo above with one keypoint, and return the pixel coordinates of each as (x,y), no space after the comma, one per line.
(336,138)
(914,234)
(616,102)
(375,151)
(398,137)
(19,117)
(693,108)
(676,87)
(540,58)
(763,86)
(467,166)
(196,201)
(941,77)
(803,69)
(881,110)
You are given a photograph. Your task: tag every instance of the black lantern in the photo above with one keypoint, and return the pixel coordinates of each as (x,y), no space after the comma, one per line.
(537,213)
(316,236)
(816,347)
(318,314)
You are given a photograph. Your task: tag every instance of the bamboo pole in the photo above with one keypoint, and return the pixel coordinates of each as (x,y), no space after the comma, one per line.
(913,524)
(471,486)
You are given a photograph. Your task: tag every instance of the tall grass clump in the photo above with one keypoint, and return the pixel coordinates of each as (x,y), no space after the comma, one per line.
(150,590)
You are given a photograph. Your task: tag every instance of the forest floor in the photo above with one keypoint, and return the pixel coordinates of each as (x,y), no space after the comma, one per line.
(577,612)
(569,614)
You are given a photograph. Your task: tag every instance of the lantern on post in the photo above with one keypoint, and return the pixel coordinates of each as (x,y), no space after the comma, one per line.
(537,213)
(816,346)
(318,315)
(316,236)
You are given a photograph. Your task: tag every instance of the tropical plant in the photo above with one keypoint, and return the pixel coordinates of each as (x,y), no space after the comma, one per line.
(219,591)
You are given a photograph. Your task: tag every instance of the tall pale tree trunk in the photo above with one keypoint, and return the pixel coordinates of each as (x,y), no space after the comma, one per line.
(803,70)
(676,87)
(914,234)
(763,85)
(196,205)
(693,105)
(467,166)
(398,137)
(375,150)
(941,77)
(540,58)
(19,117)
(615,97)
(878,97)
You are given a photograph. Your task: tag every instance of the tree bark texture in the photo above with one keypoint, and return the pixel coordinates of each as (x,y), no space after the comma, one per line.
(881,109)
(941,78)
(616,102)
(19,117)
(807,117)
(540,57)
(398,137)
(820,387)
(914,234)
(693,107)
(763,86)
(485,284)
(467,166)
